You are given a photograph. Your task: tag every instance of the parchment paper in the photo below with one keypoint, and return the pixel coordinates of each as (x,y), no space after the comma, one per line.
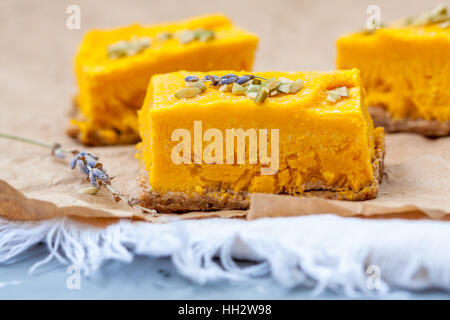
(35,185)
(36,86)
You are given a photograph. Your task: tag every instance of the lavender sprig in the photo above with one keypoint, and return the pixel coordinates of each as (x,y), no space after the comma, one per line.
(90,166)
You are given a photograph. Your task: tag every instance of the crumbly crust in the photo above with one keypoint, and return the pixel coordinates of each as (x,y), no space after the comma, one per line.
(431,128)
(212,200)
(92,135)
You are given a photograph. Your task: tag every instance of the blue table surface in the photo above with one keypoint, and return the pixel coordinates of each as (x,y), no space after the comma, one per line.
(143,278)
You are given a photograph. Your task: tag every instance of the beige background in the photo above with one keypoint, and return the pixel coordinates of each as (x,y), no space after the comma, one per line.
(37,82)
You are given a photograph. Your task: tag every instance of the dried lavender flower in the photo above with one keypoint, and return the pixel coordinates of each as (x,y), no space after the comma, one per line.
(73,163)
(93,179)
(91,162)
(96,174)
(57,151)
(83,169)
(191,79)
(228,80)
(100,175)
(243,79)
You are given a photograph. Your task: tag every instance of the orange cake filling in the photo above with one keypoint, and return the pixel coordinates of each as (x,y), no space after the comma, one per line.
(307,140)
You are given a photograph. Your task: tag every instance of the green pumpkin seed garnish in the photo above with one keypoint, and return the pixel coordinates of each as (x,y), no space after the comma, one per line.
(271,84)
(126,48)
(253,88)
(296,86)
(262,95)
(164,36)
(186,36)
(285,80)
(285,87)
(342,91)
(144,42)
(117,50)
(252,95)
(204,35)
(200,85)
(89,190)
(225,88)
(237,89)
(438,15)
(257,89)
(201,35)
(190,83)
(336,94)
(188,92)
(333,96)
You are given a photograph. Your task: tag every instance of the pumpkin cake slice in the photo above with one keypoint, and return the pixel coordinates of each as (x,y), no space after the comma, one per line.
(405,70)
(113,68)
(210,140)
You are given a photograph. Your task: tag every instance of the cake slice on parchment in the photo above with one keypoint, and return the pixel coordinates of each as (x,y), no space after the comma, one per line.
(113,68)
(405,70)
(209,140)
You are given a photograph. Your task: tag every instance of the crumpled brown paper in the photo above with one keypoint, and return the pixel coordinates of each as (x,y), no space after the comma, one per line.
(416,185)
(35,185)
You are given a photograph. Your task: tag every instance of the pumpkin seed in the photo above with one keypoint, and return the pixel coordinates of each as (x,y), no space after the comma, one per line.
(237,89)
(186,36)
(285,87)
(125,48)
(252,95)
(437,15)
(262,95)
(333,96)
(271,84)
(200,85)
(143,42)
(296,86)
(253,88)
(188,92)
(89,190)
(204,35)
(164,36)
(342,91)
(285,80)
(337,94)
(224,88)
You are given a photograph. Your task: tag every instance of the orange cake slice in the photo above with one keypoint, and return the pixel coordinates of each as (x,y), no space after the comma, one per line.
(405,69)
(113,68)
(210,140)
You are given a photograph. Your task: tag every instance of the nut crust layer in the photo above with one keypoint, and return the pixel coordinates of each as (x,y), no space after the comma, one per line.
(212,200)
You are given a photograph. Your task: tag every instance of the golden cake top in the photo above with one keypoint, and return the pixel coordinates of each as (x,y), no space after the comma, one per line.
(328,91)
(114,48)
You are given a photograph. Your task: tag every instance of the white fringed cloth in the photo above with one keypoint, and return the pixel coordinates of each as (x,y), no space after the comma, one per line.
(322,251)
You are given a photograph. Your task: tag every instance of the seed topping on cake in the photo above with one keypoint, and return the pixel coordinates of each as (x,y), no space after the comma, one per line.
(202,35)
(252,86)
(337,94)
(126,48)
